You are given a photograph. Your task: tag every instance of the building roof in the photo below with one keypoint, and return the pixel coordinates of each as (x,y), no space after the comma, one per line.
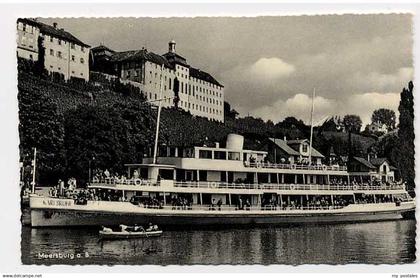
(52,31)
(314,152)
(101,47)
(364,162)
(297,141)
(196,73)
(380,160)
(176,58)
(142,54)
(169,60)
(283,145)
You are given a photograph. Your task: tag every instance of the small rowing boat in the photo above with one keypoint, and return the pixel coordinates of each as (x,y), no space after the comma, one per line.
(127,234)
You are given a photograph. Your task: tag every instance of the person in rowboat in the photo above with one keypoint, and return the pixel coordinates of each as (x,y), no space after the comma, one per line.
(105,229)
(123,228)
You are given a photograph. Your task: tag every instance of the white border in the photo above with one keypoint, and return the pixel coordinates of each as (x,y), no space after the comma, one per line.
(9,156)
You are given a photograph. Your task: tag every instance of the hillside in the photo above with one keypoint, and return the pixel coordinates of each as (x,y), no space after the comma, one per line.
(74,124)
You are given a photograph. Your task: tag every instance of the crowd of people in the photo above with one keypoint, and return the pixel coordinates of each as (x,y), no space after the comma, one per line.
(63,189)
(179,202)
(100,175)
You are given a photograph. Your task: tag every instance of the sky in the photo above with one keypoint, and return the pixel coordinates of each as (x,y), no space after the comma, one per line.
(271,65)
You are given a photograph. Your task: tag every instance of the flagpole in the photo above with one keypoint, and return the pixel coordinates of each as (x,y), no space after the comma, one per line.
(158,118)
(312,128)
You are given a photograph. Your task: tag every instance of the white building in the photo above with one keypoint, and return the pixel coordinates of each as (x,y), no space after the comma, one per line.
(377,127)
(63,53)
(199,93)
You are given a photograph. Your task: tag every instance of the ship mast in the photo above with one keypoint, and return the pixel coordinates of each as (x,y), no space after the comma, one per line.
(158,117)
(312,127)
(33,171)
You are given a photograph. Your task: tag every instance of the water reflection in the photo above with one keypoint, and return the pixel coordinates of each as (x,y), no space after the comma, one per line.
(381,242)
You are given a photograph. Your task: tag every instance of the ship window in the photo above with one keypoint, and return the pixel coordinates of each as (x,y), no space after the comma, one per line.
(166,174)
(219,155)
(234,156)
(205,154)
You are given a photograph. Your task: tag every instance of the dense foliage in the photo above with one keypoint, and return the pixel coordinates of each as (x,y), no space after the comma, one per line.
(384,116)
(406,136)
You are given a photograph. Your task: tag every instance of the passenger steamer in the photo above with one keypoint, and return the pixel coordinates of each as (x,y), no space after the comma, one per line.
(227,186)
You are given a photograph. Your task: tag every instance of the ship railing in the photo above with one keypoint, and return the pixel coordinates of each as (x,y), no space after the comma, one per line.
(270,186)
(113,182)
(290,166)
(243,208)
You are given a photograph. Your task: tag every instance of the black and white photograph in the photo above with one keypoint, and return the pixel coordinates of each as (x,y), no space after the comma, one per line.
(216,140)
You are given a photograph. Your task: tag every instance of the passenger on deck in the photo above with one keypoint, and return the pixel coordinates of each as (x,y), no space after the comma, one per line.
(150,228)
(219,204)
(123,228)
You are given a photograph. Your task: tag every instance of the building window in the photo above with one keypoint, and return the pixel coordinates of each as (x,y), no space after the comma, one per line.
(72,45)
(304,148)
(30,57)
(59,42)
(72,58)
(51,39)
(59,54)
(51,52)
(82,61)
(82,48)
(81,73)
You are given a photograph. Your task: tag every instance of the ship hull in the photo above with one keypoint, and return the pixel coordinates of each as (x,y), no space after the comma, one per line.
(95,215)
(66,218)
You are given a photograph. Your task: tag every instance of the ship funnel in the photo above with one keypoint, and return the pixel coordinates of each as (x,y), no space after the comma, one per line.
(235,142)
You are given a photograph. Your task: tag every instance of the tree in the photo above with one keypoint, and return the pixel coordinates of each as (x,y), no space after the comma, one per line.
(229,112)
(406,136)
(95,132)
(41,127)
(352,123)
(384,116)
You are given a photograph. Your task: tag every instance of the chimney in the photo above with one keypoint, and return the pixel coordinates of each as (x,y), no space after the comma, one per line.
(285,139)
(55,25)
(172,45)
(217,145)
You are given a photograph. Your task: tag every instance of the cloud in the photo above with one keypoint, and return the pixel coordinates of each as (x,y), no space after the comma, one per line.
(271,68)
(384,82)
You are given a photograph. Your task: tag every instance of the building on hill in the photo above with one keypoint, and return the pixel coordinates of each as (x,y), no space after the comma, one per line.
(371,169)
(377,127)
(197,91)
(62,52)
(290,151)
(100,59)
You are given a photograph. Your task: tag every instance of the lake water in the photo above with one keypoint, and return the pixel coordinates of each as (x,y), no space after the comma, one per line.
(391,242)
